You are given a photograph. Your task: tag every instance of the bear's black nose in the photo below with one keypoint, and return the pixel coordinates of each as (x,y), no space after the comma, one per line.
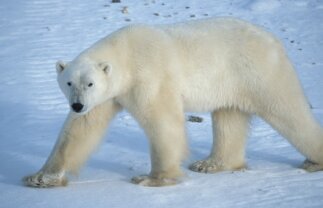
(77,107)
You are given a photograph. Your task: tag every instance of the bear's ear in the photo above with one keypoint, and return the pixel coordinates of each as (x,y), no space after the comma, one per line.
(60,66)
(105,67)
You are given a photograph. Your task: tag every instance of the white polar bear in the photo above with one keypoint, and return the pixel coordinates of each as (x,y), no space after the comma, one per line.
(224,66)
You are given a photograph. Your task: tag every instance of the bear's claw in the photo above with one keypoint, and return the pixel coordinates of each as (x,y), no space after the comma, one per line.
(210,166)
(153,182)
(311,166)
(42,180)
(204,166)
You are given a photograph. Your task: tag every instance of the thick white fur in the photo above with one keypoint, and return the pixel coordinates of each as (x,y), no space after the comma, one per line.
(225,66)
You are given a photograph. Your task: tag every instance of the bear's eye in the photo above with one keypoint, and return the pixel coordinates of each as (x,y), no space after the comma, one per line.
(69,83)
(90,84)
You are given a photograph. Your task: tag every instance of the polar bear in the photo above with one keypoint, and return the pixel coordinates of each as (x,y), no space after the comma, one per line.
(225,66)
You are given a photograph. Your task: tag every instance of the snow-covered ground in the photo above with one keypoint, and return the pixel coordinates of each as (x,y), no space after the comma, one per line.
(36,33)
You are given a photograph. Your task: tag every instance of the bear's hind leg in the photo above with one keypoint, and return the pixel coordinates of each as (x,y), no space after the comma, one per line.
(230,129)
(77,139)
(295,122)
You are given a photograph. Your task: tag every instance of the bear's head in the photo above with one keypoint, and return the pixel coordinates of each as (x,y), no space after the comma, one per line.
(85,84)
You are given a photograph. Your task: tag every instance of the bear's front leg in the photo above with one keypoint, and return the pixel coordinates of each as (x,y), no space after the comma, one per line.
(163,123)
(79,136)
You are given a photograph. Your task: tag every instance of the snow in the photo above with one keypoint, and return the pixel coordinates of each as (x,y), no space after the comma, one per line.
(34,34)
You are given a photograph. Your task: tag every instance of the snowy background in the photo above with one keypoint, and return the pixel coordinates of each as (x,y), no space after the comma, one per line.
(34,34)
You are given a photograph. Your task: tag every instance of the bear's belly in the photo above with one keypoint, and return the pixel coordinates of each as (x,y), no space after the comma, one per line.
(199,104)
(207,99)
(211,94)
